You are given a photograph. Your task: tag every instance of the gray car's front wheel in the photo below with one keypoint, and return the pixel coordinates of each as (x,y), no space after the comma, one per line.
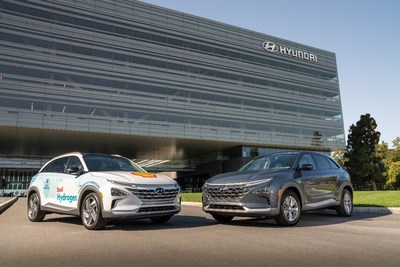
(91,215)
(290,208)
(346,205)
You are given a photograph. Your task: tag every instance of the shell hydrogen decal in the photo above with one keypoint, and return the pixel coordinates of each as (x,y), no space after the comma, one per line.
(63,197)
(145,174)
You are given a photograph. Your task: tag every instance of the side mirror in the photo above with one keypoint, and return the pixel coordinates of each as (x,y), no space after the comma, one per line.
(307,167)
(73,170)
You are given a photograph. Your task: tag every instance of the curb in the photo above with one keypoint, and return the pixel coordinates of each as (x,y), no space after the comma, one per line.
(370,210)
(4,206)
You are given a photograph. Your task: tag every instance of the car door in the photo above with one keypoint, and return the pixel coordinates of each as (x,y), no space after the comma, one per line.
(327,178)
(308,179)
(68,186)
(51,176)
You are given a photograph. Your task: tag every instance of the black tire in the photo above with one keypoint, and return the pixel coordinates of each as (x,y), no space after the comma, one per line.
(161,219)
(289,210)
(346,204)
(91,215)
(222,218)
(34,212)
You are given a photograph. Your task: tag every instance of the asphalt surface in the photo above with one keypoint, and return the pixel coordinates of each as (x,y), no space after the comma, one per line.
(193,238)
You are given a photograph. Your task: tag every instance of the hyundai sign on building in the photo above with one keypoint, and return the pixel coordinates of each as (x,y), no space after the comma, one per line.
(172,91)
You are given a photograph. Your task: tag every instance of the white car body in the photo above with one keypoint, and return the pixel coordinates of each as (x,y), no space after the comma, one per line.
(132,193)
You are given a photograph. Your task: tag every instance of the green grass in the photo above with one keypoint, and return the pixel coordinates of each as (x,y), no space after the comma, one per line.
(191,197)
(361,198)
(377,198)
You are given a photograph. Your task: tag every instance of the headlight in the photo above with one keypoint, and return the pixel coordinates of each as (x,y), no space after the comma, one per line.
(262,186)
(204,187)
(259,182)
(115,192)
(122,183)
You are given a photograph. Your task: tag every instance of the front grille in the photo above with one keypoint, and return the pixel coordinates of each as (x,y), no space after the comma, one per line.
(149,195)
(226,193)
(225,207)
(156,209)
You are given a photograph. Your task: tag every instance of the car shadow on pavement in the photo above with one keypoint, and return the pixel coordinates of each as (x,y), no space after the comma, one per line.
(176,222)
(181,221)
(307,219)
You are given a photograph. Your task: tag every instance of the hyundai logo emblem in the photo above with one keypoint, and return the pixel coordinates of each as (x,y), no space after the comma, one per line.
(160,190)
(270,47)
(223,188)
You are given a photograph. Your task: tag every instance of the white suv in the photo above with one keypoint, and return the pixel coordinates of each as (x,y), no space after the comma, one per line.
(99,187)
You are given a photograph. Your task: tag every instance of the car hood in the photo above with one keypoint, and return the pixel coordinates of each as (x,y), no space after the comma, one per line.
(244,176)
(135,177)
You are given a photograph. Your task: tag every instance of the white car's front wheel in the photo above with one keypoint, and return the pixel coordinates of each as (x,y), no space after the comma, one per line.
(91,215)
(34,212)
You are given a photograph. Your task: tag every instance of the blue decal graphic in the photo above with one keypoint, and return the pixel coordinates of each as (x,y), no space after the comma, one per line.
(88,183)
(46,188)
(67,198)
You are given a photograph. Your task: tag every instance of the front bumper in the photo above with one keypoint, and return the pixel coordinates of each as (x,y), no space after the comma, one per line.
(143,202)
(239,200)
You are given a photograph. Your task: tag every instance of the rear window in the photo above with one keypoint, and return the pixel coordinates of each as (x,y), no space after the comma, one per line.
(322,162)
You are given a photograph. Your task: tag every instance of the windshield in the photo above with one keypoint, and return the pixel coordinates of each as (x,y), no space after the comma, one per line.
(101,163)
(283,161)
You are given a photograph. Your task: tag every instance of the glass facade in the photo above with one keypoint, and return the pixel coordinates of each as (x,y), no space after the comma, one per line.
(130,67)
(127,67)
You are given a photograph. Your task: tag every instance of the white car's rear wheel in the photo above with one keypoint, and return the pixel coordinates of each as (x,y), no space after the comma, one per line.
(91,215)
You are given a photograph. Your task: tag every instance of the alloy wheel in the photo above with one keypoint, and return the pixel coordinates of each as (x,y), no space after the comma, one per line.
(291,209)
(90,211)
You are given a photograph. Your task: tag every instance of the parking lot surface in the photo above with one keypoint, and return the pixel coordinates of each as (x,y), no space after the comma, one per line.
(193,238)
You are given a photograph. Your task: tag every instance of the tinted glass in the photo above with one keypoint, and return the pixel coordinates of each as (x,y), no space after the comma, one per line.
(306,159)
(57,166)
(74,162)
(99,163)
(270,162)
(333,164)
(322,162)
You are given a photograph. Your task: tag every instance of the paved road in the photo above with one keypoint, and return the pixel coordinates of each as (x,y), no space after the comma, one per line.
(192,238)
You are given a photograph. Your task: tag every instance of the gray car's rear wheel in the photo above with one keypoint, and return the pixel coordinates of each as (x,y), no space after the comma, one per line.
(290,209)
(346,205)
(222,218)
(34,212)
(91,215)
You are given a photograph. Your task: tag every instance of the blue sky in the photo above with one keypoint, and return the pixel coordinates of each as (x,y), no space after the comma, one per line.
(364,34)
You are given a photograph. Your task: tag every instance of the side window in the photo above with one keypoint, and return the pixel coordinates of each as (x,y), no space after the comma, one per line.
(306,159)
(57,166)
(322,162)
(333,164)
(74,162)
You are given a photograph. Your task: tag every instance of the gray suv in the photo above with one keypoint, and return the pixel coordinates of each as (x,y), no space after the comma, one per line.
(280,185)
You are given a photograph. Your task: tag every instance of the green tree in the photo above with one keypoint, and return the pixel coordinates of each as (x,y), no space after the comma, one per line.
(338,155)
(362,162)
(396,150)
(393,181)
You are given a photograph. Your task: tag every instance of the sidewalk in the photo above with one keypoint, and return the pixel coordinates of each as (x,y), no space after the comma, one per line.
(6,202)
